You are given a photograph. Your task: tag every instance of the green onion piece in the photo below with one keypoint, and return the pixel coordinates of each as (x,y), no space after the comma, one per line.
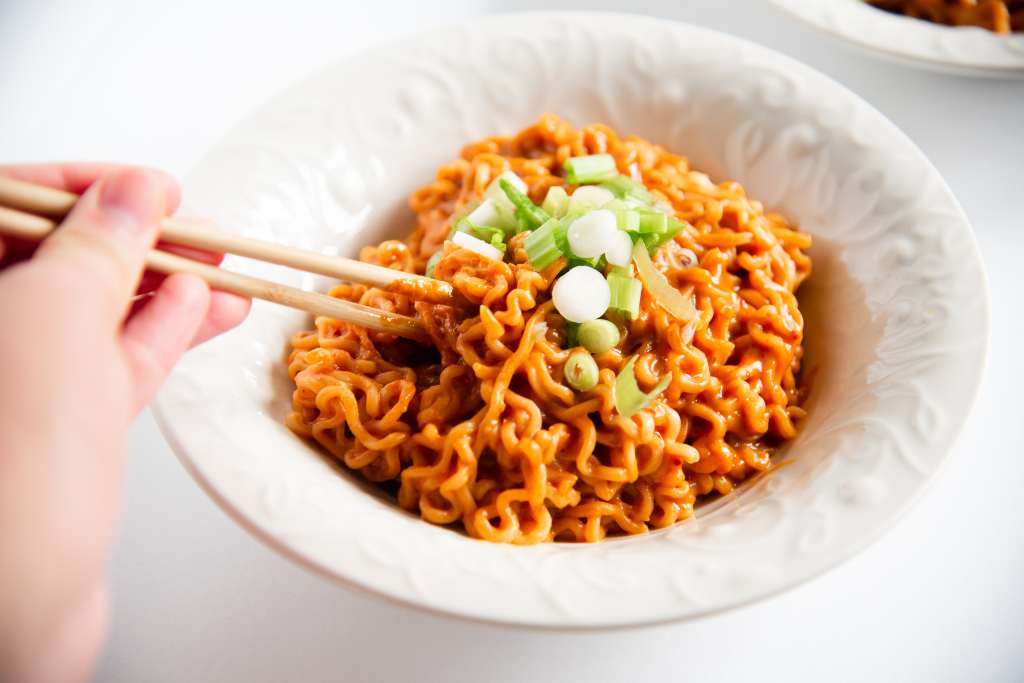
(598,336)
(546,244)
(597,263)
(556,202)
(623,186)
(652,222)
(432,262)
(628,220)
(495,193)
(487,233)
(625,292)
(529,215)
(629,400)
(655,240)
(589,169)
(572,334)
(580,371)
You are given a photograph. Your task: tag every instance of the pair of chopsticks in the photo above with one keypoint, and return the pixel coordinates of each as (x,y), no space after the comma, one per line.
(31,212)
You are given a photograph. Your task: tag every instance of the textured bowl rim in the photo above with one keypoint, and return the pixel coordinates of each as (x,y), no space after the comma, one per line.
(923,54)
(159,409)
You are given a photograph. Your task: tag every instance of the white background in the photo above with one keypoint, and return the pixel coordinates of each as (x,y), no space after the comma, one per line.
(939,598)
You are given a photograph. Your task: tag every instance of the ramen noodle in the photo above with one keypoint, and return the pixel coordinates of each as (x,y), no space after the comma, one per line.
(1001,16)
(567,396)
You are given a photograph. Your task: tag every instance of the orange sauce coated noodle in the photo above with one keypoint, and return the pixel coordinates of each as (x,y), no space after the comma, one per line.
(1001,16)
(480,429)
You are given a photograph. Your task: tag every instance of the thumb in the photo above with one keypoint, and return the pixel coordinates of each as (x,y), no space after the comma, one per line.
(104,240)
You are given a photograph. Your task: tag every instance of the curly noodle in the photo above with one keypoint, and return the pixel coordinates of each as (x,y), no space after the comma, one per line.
(1001,16)
(481,429)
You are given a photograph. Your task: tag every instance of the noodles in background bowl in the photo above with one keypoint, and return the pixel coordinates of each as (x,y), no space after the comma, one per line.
(1001,16)
(484,426)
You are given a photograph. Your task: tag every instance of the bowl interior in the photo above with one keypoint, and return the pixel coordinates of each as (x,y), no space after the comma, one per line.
(896,312)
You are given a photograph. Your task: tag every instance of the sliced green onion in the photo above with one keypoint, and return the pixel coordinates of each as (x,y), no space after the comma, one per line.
(495,192)
(493,236)
(588,198)
(572,334)
(623,186)
(475,244)
(589,169)
(432,262)
(629,399)
(628,220)
(625,291)
(621,250)
(660,289)
(485,214)
(655,240)
(580,371)
(529,214)
(597,263)
(580,294)
(591,235)
(652,222)
(598,336)
(546,244)
(556,202)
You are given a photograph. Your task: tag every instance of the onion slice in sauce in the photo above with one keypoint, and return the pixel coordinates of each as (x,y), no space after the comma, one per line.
(661,290)
(629,399)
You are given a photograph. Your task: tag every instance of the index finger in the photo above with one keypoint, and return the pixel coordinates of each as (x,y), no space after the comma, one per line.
(73,177)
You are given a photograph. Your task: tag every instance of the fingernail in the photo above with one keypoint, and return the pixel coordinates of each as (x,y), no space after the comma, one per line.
(135,200)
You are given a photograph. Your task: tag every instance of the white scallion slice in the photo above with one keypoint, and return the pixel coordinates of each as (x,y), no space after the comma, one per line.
(581,294)
(556,202)
(621,249)
(592,234)
(467,241)
(485,214)
(660,289)
(589,197)
(497,194)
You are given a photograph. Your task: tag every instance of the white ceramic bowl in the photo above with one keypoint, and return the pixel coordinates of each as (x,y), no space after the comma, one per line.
(962,49)
(897,316)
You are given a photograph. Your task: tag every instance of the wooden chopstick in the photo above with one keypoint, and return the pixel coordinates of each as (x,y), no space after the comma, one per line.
(32,227)
(39,199)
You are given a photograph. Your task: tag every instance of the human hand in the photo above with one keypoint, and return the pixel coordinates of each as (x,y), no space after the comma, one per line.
(80,356)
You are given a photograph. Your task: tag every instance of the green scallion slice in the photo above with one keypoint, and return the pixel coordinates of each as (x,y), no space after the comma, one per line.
(625,291)
(655,240)
(572,334)
(528,215)
(589,169)
(546,244)
(556,203)
(629,399)
(623,186)
(652,222)
(628,220)
(580,371)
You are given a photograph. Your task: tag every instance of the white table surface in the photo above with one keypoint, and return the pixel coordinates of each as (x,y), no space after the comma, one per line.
(939,598)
